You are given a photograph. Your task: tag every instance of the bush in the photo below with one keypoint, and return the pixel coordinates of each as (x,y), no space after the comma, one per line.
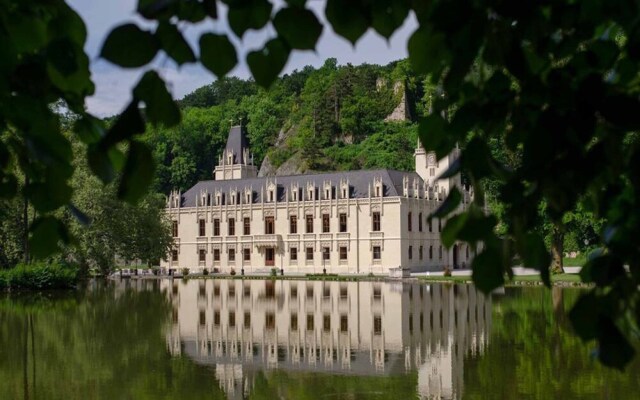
(233,272)
(205,272)
(185,271)
(447,271)
(274,272)
(39,276)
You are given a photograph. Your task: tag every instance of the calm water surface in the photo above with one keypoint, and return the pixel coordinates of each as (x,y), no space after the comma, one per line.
(257,339)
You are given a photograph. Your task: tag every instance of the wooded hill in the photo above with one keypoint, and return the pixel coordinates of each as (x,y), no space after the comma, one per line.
(336,117)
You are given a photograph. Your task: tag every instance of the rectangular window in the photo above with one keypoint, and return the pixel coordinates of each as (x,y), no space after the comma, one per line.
(174,228)
(232,254)
(343,222)
(409,221)
(326,255)
(216,318)
(216,254)
(232,226)
(377,325)
(410,252)
(309,223)
(201,227)
(293,224)
(376,252)
(440,253)
(344,323)
(309,253)
(269,226)
(376,221)
(439,225)
(247,226)
(420,222)
(216,227)
(421,253)
(270,320)
(247,320)
(430,225)
(174,255)
(246,254)
(325,223)
(294,322)
(232,319)
(326,322)
(202,255)
(343,253)
(309,322)
(293,254)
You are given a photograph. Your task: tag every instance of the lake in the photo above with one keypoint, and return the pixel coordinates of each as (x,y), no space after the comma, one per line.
(265,339)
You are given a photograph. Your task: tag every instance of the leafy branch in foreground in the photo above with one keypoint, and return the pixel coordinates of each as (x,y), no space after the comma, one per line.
(556,81)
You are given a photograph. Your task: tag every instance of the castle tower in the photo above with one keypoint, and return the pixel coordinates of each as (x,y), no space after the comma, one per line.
(430,168)
(236,162)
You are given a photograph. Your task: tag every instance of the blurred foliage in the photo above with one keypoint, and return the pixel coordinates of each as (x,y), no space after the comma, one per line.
(556,81)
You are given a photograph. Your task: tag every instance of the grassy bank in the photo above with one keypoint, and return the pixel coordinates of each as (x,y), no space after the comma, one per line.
(39,276)
(522,279)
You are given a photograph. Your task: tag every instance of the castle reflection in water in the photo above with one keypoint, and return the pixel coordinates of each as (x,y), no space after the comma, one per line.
(362,328)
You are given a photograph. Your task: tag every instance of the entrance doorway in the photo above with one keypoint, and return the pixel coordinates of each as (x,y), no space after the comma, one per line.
(270,256)
(455,256)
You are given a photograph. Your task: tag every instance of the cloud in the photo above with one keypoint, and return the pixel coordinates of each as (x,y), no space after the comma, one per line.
(114,84)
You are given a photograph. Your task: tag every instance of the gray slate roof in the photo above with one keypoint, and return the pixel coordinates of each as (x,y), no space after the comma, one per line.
(359,182)
(237,141)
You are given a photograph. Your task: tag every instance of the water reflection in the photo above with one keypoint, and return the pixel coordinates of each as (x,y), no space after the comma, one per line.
(353,328)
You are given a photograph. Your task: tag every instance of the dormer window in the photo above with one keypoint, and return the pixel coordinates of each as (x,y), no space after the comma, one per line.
(344,193)
(377,191)
(218,199)
(230,158)
(295,195)
(271,196)
(327,194)
(310,194)
(248,197)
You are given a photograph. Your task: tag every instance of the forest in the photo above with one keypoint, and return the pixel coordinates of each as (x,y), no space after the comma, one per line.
(315,119)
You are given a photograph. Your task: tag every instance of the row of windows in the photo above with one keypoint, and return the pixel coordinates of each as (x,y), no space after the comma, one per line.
(420,219)
(269,225)
(309,195)
(421,252)
(270,321)
(293,254)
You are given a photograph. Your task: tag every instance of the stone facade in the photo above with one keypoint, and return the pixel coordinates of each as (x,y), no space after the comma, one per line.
(355,222)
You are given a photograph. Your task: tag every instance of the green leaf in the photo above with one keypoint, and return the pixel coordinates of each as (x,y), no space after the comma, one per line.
(452,170)
(349,19)
(433,136)
(487,272)
(535,255)
(388,16)
(217,54)
(129,46)
(427,51)
(89,129)
(602,270)
(137,174)
(584,316)
(128,124)
(451,230)
(448,205)
(266,64)
(614,349)
(45,236)
(174,44)
(160,107)
(298,27)
(249,14)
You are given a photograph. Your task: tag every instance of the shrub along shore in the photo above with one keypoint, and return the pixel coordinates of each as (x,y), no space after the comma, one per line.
(39,276)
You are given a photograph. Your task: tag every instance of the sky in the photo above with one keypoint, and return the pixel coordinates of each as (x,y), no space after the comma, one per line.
(113,84)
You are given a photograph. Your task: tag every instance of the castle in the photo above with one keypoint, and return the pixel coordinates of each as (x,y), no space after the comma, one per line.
(352,222)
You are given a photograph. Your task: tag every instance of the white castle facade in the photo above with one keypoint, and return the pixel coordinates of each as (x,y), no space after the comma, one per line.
(354,222)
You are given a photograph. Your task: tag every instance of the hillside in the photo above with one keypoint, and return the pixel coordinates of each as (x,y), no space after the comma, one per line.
(336,117)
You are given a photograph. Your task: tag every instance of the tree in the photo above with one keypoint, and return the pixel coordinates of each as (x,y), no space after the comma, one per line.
(556,80)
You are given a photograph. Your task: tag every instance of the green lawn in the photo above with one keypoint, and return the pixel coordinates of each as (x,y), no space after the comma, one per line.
(561,278)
